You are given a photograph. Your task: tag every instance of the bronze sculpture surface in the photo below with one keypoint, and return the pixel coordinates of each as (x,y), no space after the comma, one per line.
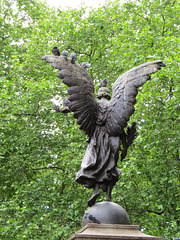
(104,120)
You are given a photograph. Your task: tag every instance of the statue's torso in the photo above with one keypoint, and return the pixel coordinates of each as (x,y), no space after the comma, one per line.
(102,111)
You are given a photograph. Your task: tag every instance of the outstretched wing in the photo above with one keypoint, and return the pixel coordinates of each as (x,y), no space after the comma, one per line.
(82,101)
(124,93)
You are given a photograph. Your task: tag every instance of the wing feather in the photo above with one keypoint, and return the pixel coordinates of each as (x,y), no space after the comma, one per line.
(124,93)
(82,101)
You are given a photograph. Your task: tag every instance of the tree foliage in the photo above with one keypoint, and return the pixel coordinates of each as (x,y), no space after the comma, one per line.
(42,150)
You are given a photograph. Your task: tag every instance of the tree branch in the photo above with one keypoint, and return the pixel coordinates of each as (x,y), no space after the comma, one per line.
(163,30)
(151,211)
(155,212)
(62,188)
(87,54)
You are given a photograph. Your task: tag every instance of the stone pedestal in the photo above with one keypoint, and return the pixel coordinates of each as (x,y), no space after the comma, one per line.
(111,232)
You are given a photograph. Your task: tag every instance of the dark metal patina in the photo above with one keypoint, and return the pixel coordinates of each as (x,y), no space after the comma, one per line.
(104,120)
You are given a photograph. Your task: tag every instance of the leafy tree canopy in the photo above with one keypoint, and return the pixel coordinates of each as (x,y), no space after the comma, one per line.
(42,150)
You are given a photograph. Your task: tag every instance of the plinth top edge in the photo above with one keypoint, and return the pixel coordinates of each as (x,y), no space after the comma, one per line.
(111,231)
(112,226)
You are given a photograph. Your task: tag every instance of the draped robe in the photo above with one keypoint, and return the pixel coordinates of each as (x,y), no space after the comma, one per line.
(99,164)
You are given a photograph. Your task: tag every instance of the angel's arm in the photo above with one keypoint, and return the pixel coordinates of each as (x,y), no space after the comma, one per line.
(82,101)
(124,93)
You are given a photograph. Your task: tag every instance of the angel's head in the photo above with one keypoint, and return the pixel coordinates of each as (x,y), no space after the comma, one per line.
(104,92)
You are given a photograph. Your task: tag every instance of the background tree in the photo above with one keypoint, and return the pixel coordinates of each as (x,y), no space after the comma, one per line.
(42,150)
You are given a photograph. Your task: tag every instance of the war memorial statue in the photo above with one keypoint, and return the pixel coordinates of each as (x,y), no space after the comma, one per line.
(103,121)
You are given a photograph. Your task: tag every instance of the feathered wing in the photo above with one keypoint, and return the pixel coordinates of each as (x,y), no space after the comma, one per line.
(124,93)
(82,101)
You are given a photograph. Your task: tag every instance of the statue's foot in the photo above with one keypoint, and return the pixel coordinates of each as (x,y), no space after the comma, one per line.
(108,198)
(92,200)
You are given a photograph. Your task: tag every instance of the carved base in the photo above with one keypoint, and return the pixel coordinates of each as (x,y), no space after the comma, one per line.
(111,232)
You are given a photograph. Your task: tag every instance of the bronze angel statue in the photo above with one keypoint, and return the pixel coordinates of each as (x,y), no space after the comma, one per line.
(103,121)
